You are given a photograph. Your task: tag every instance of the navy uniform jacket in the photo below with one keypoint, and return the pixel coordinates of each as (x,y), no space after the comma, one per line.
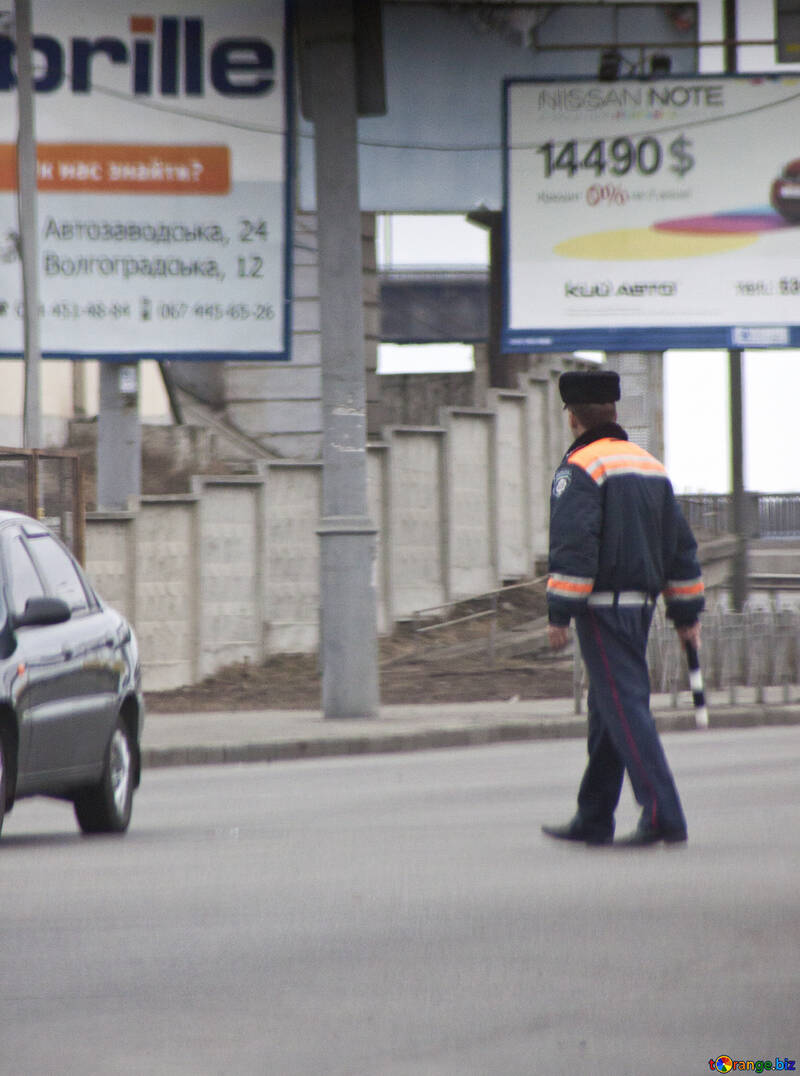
(615,525)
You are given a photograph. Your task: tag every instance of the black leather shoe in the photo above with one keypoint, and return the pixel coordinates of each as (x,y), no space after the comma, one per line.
(577,831)
(644,836)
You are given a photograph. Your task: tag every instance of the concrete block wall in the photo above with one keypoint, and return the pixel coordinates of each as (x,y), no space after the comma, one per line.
(229,601)
(471,502)
(512,486)
(230,571)
(167,591)
(377,508)
(292,503)
(111,558)
(147,564)
(414,537)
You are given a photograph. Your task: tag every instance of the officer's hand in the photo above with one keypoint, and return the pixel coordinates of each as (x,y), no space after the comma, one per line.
(690,633)
(559,637)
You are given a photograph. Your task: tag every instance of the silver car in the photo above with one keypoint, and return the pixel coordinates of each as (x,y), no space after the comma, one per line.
(71,707)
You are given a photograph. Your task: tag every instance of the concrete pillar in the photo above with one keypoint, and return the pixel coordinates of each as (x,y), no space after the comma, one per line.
(348,593)
(641,409)
(119,436)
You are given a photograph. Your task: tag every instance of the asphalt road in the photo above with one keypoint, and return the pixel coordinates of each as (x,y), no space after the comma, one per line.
(399,915)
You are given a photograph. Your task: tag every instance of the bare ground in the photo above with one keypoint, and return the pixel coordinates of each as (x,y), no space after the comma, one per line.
(450,663)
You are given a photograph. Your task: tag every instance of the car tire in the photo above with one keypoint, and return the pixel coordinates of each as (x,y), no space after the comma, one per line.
(106,806)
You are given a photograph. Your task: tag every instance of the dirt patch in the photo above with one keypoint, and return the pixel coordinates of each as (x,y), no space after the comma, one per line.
(292,682)
(496,651)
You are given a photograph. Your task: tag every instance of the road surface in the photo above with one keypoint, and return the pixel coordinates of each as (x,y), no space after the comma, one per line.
(403,916)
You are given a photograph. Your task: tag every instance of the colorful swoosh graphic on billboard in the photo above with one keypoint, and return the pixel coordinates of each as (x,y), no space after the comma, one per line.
(682,237)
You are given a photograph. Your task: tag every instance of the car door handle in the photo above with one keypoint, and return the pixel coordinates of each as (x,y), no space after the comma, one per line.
(66,654)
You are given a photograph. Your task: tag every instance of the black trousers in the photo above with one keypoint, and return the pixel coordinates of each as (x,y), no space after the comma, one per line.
(622,733)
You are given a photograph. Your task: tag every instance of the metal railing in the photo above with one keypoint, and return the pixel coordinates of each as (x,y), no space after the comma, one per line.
(481,607)
(767,515)
(757,648)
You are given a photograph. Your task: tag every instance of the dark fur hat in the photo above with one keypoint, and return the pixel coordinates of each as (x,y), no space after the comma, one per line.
(589,386)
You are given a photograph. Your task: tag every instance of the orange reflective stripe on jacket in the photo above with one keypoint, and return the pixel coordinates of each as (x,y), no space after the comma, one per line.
(683,589)
(607,458)
(569,586)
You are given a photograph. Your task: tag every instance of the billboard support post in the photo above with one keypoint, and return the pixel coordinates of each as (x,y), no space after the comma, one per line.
(738,496)
(348,600)
(27,223)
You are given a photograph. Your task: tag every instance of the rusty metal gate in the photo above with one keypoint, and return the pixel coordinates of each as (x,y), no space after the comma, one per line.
(46,484)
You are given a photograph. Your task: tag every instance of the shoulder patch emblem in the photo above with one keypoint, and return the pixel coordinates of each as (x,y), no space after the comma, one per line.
(561,481)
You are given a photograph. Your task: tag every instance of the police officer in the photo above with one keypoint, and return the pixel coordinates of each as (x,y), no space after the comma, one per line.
(618,539)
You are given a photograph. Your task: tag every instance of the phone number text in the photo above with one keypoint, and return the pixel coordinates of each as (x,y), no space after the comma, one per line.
(148,310)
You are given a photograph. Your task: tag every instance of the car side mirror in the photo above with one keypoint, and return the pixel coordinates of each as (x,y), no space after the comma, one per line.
(41,611)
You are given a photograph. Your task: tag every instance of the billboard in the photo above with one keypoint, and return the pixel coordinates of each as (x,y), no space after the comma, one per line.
(652,214)
(163,202)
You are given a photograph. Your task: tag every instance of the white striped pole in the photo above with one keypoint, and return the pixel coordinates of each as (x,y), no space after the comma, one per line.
(696,684)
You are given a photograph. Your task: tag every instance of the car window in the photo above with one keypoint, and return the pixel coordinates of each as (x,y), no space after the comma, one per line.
(23,580)
(60,574)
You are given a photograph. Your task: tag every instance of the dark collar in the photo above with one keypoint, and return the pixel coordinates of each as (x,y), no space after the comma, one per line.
(608,429)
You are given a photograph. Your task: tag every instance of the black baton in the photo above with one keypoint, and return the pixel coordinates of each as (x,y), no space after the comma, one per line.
(696,684)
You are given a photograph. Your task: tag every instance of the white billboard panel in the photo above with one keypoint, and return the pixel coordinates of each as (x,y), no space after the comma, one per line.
(162,149)
(647,215)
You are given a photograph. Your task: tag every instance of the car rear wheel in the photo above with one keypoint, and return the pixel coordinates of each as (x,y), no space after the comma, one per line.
(106,807)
